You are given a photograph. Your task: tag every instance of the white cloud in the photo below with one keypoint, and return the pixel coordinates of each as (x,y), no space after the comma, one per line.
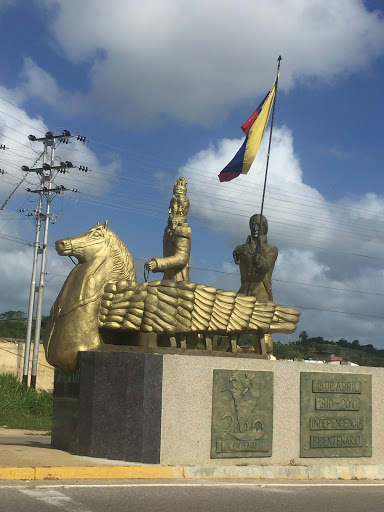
(16,261)
(16,258)
(194,60)
(37,82)
(15,126)
(319,241)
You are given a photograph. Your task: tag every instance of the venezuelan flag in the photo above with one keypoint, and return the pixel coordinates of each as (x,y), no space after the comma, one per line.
(254,128)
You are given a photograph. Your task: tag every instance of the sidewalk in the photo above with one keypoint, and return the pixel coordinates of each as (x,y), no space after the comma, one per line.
(27,455)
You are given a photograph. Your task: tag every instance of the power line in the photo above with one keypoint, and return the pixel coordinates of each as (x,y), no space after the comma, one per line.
(19,121)
(339,312)
(153,158)
(10,352)
(15,239)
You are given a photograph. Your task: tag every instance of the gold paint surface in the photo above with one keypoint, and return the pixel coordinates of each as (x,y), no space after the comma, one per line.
(176,239)
(256,259)
(73,324)
(242,414)
(255,263)
(336,415)
(101,303)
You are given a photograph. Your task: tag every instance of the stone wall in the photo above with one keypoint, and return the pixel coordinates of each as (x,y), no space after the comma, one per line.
(142,407)
(12,361)
(187,409)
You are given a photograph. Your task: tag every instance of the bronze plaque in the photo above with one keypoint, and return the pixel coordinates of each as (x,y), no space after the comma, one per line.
(242,414)
(336,415)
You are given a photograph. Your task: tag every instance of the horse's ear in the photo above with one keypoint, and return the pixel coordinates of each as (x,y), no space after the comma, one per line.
(106,224)
(98,224)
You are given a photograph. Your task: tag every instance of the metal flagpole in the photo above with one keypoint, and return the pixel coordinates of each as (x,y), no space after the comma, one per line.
(266,174)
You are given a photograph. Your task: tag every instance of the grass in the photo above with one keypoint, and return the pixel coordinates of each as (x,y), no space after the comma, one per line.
(22,407)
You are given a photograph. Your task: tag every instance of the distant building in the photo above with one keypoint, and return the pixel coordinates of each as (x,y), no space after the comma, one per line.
(329,359)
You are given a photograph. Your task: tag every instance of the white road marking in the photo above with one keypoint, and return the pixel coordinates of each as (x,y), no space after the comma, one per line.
(54,498)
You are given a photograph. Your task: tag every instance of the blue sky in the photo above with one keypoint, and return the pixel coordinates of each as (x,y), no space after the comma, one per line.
(161,89)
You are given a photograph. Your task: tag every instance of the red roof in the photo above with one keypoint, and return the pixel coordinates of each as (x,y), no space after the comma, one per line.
(335,358)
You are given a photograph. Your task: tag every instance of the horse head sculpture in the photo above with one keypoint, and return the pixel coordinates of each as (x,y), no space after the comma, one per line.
(73,324)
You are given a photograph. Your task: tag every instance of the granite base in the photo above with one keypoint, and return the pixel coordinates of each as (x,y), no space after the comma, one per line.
(110,407)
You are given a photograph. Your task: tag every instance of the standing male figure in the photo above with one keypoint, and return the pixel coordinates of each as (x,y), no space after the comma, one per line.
(176,239)
(256,266)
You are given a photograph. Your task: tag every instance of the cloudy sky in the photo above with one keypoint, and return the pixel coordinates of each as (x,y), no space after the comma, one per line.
(160,89)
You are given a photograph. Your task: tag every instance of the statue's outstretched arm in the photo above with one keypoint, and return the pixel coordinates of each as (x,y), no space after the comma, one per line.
(177,260)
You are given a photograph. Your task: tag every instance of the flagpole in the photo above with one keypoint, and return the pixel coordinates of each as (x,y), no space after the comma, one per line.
(266,174)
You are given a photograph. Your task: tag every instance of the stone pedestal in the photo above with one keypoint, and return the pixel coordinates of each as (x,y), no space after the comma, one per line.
(110,407)
(166,408)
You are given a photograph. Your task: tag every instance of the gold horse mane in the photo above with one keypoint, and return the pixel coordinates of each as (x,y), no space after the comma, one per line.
(123,264)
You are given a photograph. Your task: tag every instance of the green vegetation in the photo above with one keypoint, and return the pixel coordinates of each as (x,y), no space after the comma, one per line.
(22,407)
(317,348)
(13,324)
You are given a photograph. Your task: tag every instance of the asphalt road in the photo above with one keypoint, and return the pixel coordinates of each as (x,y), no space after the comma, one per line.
(194,496)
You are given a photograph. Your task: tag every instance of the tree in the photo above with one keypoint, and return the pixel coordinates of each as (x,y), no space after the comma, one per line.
(343,342)
(13,315)
(303,337)
(285,351)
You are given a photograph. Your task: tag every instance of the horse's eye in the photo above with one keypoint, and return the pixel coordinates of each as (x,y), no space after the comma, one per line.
(97,233)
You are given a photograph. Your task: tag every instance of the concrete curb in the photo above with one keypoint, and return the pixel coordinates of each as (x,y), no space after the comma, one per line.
(83,472)
(189,472)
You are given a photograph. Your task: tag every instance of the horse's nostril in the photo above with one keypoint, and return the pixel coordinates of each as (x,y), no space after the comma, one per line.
(60,245)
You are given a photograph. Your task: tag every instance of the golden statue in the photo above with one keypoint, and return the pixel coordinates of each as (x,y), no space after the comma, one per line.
(257,260)
(101,296)
(256,264)
(73,324)
(177,238)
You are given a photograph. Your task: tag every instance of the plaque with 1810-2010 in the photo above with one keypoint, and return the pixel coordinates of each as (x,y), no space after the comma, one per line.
(336,415)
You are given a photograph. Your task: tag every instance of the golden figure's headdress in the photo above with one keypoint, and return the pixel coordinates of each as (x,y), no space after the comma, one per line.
(180,188)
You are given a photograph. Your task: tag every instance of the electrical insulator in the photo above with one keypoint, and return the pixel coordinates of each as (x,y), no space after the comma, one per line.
(31,137)
(2,146)
(83,168)
(25,168)
(2,171)
(66,133)
(81,138)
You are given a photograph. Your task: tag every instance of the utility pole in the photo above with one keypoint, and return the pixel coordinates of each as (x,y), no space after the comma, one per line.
(49,192)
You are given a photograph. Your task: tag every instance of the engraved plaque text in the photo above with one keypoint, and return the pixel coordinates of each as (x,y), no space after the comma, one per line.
(336,415)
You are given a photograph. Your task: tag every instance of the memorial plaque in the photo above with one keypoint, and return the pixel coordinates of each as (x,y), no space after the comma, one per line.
(242,414)
(336,415)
